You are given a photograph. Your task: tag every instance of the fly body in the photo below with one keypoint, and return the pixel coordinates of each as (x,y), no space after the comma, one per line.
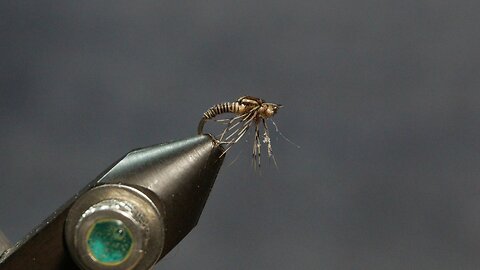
(248,111)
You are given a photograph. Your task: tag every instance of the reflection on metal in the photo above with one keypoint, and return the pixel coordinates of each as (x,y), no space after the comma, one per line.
(4,243)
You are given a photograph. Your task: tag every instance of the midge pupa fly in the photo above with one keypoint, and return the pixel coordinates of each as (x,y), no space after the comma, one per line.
(249,111)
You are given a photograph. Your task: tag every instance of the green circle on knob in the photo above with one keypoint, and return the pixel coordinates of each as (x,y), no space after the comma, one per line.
(109,241)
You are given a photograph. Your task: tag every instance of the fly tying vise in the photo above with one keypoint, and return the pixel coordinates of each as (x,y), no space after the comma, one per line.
(249,111)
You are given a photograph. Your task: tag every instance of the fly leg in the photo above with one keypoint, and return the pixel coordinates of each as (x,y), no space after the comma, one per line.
(229,126)
(267,141)
(246,120)
(239,132)
(256,146)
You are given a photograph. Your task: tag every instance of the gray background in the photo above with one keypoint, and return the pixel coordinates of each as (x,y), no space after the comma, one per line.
(382,96)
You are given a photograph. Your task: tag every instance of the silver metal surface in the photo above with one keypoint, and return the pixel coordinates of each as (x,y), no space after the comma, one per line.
(4,243)
(123,203)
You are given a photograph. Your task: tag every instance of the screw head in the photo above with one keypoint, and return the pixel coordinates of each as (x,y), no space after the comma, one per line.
(113,227)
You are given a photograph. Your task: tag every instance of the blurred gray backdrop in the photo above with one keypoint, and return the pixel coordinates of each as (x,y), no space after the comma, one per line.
(382,96)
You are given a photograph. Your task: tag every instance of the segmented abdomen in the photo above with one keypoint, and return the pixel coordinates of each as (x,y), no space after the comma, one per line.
(227,107)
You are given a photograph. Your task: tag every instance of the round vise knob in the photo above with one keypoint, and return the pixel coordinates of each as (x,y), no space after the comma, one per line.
(115,227)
